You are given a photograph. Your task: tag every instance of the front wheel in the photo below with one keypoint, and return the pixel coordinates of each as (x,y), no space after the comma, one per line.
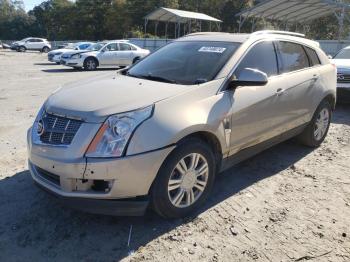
(185,179)
(45,49)
(21,49)
(317,130)
(90,64)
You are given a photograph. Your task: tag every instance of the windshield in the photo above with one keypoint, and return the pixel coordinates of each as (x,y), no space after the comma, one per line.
(343,54)
(186,63)
(70,46)
(96,47)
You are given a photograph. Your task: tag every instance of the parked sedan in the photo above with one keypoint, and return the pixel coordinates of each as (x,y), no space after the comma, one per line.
(110,54)
(342,62)
(55,55)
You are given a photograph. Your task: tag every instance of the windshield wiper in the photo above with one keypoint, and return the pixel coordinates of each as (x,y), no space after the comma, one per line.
(152,77)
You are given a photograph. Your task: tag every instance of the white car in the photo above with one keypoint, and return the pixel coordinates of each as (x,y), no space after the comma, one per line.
(55,55)
(342,62)
(105,54)
(32,43)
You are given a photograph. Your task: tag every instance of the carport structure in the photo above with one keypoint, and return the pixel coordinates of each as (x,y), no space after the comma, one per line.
(179,18)
(296,12)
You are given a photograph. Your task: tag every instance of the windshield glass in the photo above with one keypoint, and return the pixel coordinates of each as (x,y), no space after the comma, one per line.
(186,63)
(96,47)
(343,54)
(70,46)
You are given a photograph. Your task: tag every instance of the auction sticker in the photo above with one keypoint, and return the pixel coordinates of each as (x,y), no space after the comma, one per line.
(212,49)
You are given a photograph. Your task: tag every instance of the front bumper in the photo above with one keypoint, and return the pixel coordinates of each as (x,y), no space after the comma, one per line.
(72,62)
(75,180)
(343,93)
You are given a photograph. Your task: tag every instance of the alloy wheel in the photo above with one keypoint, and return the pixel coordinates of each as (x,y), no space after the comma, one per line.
(321,124)
(188,180)
(91,64)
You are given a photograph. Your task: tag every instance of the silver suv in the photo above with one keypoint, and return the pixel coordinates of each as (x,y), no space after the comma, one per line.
(156,134)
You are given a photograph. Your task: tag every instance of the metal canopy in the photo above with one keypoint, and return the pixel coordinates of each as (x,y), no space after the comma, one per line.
(178,16)
(180,19)
(296,12)
(299,11)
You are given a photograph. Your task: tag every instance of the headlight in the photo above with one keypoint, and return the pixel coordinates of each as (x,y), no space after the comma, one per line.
(59,53)
(76,56)
(114,135)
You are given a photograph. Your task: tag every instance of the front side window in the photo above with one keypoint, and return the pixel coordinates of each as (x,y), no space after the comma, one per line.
(185,62)
(293,57)
(262,57)
(111,47)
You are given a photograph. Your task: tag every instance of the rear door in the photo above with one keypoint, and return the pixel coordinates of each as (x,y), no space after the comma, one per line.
(126,54)
(300,79)
(31,44)
(257,112)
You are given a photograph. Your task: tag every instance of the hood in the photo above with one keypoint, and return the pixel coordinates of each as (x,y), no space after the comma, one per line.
(74,52)
(96,98)
(341,63)
(62,50)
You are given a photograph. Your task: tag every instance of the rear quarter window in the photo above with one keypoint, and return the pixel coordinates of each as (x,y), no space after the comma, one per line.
(314,59)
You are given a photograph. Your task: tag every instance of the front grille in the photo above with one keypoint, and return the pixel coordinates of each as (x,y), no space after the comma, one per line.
(58,130)
(343,78)
(55,179)
(50,56)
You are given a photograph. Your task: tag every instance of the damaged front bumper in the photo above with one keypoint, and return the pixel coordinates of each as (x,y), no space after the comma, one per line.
(112,186)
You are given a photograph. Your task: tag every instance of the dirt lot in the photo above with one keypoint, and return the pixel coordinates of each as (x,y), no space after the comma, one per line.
(289,203)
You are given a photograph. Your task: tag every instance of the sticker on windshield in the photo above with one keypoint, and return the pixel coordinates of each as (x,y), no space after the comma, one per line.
(212,49)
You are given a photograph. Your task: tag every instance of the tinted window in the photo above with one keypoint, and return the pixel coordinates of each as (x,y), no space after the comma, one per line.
(187,63)
(112,47)
(293,57)
(124,47)
(262,57)
(314,59)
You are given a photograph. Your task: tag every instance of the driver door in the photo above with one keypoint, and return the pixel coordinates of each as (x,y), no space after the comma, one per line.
(109,55)
(257,111)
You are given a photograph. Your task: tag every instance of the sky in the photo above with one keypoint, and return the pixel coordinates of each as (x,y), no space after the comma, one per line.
(29,4)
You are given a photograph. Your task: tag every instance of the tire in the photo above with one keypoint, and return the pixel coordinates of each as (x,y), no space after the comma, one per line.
(173,202)
(90,64)
(45,49)
(21,49)
(136,60)
(321,122)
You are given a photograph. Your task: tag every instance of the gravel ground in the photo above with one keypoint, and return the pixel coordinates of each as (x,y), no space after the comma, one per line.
(288,203)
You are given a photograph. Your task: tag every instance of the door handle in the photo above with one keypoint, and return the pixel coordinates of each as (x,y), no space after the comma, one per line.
(280,91)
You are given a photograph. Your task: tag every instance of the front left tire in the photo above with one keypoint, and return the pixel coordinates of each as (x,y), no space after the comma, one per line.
(90,64)
(185,179)
(45,49)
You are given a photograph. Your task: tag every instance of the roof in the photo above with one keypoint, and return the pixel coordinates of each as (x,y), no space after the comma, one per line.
(301,11)
(216,36)
(178,16)
(241,38)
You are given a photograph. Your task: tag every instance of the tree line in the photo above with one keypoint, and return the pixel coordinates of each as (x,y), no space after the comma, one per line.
(114,19)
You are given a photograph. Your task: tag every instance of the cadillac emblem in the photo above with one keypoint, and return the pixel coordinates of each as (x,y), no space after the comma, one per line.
(40,129)
(340,77)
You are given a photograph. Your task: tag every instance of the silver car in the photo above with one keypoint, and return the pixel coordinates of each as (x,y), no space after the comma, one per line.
(105,54)
(156,134)
(342,62)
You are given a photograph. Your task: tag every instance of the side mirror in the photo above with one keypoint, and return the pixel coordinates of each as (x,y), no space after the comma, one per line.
(330,57)
(249,77)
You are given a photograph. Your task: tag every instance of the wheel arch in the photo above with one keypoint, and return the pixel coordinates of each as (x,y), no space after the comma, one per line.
(331,99)
(92,57)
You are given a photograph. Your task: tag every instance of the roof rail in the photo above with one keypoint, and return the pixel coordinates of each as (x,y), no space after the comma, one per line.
(278,33)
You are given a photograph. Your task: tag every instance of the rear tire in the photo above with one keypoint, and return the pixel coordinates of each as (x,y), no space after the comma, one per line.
(136,60)
(185,179)
(317,130)
(90,64)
